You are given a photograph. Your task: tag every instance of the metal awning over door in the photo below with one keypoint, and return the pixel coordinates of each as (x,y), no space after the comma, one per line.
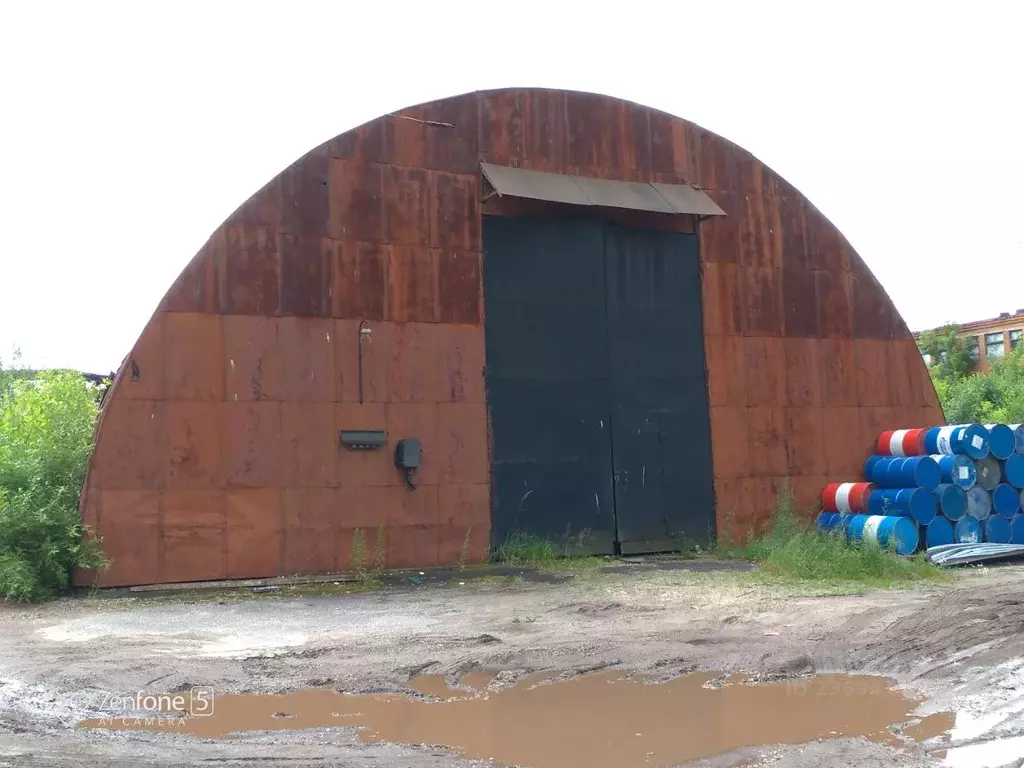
(581,190)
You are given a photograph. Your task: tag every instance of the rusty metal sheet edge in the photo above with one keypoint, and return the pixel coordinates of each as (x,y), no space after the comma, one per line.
(686,199)
(578,190)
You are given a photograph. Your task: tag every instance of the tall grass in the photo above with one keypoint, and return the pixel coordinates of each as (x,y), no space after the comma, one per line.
(792,549)
(46,434)
(525,549)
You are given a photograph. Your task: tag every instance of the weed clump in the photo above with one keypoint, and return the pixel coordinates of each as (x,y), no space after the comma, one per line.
(525,549)
(793,549)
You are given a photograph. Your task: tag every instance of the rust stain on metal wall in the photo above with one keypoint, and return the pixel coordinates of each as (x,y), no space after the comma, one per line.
(761,301)
(766,371)
(194,535)
(502,125)
(196,288)
(131,450)
(359,278)
(252,448)
(413,372)
(804,379)
(307,348)
(799,303)
(248,281)
(305,208)
(455,220)
(145,364)
(192,451)
(253,368)
(451,134)
(218,451)
(834,301)
(356,201)
(131,534)
(459,283)
(462,355)
(311,525)
(255,529)
(406,195)
(769,438)
(308,444)
(305,273)
(412,284)
(193,351)
(839,371)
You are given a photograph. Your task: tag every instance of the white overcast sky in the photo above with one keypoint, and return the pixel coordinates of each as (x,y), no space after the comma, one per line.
(129,131)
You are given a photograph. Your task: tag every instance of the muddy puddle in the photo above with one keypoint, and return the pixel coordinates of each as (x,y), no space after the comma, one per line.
(606,719)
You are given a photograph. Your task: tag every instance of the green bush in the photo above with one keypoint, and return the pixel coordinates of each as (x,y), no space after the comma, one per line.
(46,435)
(995,396)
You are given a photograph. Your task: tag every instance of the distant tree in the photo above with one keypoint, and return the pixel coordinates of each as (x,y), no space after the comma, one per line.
(950,358)
(992,396)
(13,371)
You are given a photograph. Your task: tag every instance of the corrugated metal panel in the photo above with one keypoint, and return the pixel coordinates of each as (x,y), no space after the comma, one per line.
(686,199)
(637,195)
(578,190)
(536,185)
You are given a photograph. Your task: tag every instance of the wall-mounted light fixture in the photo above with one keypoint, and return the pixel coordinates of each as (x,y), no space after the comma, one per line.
(365,332)
(363,439)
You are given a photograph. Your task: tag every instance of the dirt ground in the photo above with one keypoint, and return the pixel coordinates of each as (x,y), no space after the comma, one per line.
(959,645)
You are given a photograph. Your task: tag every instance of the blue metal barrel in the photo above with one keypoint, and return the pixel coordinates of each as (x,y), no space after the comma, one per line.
(1018,436)
(957,469)
(829,521)
(1001,440)
(900,472)
(899,533)
(938,531)
(875,467)
(1017,529)
(916,503)
(988,472)
(952,500)
(967,531)
(972,440)
(967,439)
(979,503)
(1005,500)
(931,440)
(997,529)
(1012,470)
(870,464)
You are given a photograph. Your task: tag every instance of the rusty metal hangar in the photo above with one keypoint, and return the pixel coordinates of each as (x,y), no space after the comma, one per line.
(514,310)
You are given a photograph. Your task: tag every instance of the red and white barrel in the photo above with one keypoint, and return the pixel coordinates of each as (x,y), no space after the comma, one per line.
(901,442)
(846,498)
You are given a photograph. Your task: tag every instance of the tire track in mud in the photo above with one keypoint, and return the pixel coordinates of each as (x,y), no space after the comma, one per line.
(965,622)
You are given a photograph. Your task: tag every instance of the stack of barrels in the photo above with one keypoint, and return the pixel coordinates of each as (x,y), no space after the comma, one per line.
(926,487)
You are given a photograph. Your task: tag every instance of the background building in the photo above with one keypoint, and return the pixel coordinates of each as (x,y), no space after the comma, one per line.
(988,340)
(602,324)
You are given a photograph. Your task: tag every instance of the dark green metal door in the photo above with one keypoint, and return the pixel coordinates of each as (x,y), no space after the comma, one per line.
(661,432)
(596,384)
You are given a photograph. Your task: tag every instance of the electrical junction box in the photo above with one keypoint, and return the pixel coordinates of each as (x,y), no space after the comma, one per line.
(407,453)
